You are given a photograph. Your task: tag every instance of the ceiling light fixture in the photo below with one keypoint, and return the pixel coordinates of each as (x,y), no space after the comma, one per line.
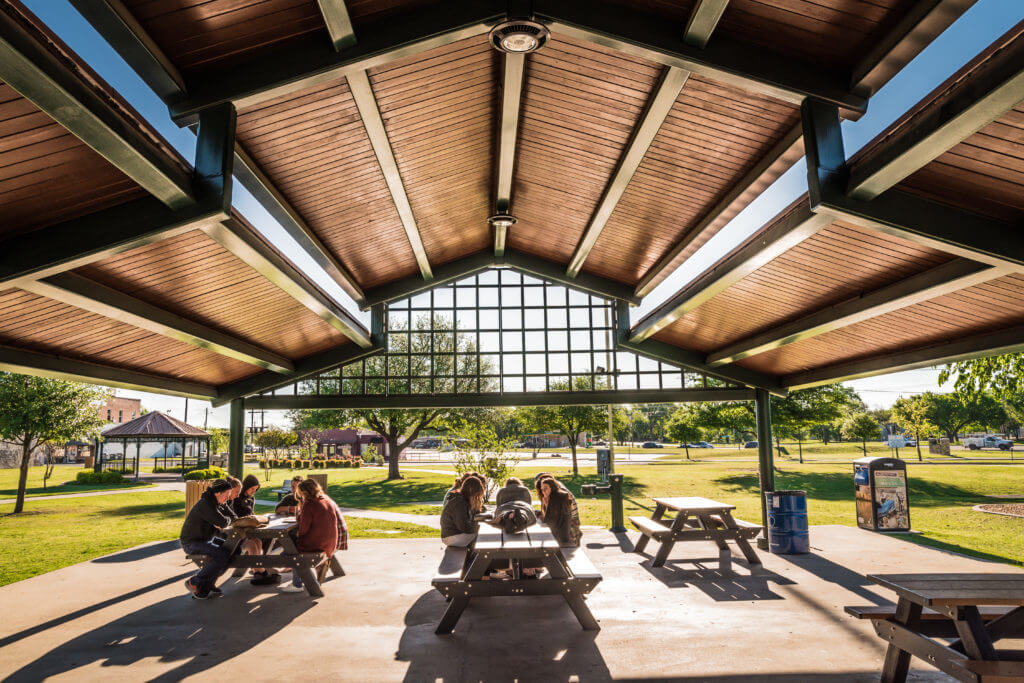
(502,220)
(519,37)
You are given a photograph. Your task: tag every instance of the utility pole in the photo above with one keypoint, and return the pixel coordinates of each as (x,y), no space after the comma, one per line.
(186,410)
(206,419)
(611,387)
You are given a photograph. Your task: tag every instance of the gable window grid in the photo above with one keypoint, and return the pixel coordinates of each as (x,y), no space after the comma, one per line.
(458,339)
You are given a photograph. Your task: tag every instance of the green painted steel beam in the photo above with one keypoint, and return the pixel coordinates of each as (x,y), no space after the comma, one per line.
(443,275)
(335,15)
(703,19)
(97,298)
(659,104)
(45,365)
(556,272)
(474,400)
(41,77)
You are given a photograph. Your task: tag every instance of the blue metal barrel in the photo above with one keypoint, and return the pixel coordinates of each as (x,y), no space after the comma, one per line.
(787,522)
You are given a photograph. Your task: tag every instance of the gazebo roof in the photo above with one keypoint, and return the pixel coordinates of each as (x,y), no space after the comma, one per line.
(154,424)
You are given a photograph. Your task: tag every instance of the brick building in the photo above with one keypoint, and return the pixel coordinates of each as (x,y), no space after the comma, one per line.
(119,409)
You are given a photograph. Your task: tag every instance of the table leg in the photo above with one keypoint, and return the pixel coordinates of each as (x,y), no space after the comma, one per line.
(641,544)
(452,614)
(336,569)
(897,661)
(582,612)
(309,581)
(743,544)
(1010,625)
(975,639)
(666,545)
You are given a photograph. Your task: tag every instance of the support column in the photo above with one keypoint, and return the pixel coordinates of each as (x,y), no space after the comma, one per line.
(236,439)
(765,458)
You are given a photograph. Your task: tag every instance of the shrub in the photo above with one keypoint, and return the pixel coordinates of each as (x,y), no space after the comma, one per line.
(208,473)
(107,477)
(353,463)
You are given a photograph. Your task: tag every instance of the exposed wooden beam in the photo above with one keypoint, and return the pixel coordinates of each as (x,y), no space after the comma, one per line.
(366,102)
(335,15)
(638,33)
(308,63)
(922,23)
(254,251)
(41,77)
(938,281)
(785,152)
(702,22)
(253,179)
(45,365)
(982,345)
(981,96)
(472,400)
(786,231)
(658,106)
(513,75)
(122,31)
(80,241)
(97,298)
(555,272)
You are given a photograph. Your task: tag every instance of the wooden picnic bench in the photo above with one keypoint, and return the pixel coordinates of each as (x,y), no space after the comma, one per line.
(697,519)
(460,576)
(980,608)
(311,567)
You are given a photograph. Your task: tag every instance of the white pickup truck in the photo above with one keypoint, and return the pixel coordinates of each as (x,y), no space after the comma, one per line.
(990,441)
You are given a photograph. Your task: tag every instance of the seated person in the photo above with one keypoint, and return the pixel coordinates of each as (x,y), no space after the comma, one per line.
(318,525)
(243,504)
(236,490)
(514,490)
(199,536)
(289,505)
(458,527)
(558,513)
(456,485)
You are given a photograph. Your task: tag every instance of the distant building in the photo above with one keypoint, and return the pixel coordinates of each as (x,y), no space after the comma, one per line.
(331,442)
(118,409)
(552,440)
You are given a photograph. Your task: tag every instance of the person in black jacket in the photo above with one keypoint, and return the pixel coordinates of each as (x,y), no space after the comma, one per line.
(245,504)
(198,532)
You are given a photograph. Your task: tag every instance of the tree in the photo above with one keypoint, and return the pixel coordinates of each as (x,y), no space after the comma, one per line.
(38,410)
(682,427)
(734,417)
(570,421)
(951,413)
(800,409)
(480,449)
(860,427)
(220,439)
(309,439)
(273,439)
(912,413)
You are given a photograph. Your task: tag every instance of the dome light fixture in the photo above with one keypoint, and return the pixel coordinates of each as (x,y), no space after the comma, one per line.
(519,36)
(502,221)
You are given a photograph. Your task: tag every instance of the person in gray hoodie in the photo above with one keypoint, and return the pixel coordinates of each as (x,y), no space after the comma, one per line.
(458,526)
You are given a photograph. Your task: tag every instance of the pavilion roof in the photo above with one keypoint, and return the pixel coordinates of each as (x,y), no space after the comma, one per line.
(154,424)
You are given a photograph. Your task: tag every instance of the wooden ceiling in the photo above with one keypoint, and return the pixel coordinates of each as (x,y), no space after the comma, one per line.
(632,146)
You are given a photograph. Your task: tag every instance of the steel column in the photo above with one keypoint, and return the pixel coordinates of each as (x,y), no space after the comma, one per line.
(765,457)
(236,438)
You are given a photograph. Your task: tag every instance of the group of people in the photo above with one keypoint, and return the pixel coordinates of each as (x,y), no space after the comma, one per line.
(465,501)
(320,528)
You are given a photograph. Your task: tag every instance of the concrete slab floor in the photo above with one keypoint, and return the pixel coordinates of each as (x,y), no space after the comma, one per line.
(127,617)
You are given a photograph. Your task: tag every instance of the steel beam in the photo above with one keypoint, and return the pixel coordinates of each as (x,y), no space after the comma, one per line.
(938,281)
(555,272)
(473,400)
(366,102)
(823,149)
(982,96)
(444,274)
(306,367)
(788,150)
(703,19)
(513,75)
(122,31)
(253,179)
(255,252)
(97,298)
(658,106)
(80,241)
(651,37)
(308,63)
(58,367)
(787,230)
(335,15)
(982,345)
(923,22)
(215,155)
(38,75)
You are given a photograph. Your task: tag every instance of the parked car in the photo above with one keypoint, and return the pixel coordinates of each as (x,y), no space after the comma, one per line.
(990,441)
(651,444)
(750,444)
(698,444)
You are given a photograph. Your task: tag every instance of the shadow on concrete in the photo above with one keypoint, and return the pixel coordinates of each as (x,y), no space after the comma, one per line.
(195,635)
(140,553)
(500,639)
(622,541)
(830,571)
(719,584)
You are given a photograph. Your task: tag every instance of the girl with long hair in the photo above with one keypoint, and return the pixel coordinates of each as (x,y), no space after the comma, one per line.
(458,526)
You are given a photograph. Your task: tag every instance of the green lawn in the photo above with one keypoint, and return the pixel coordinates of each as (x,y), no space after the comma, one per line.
(55,486)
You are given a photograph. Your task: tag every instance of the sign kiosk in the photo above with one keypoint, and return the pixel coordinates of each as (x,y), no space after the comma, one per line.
(883,503)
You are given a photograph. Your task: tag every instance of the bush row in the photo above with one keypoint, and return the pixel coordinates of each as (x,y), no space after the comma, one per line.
(106,477)
(319,464)
(208,473)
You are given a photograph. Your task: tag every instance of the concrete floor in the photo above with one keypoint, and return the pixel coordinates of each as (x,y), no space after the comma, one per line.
(127,617)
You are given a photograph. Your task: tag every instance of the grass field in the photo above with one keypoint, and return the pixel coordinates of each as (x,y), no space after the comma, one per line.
(56,485)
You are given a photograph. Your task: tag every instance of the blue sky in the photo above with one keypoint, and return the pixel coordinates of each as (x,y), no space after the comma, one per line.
(979,26)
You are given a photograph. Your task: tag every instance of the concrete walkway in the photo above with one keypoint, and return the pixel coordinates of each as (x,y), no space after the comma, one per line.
(59,496)
(126,617)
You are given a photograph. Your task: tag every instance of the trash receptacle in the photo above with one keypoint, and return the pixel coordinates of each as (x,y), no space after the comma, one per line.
(787,522)
(882,500)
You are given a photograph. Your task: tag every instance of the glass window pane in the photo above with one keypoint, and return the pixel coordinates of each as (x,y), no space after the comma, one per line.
(443,298)
(534,319)
(672,380)
(536,384)
(582,383)
(557,318)
(444,364)
(512,384)
(580,340)
(511,319)
(490,342)
(398,365)
(647,365)
(442,320)
(558,341)
(444,385)
(512,341)
(467,364)
(489,364)
(648,381)
(535,363)
(421,300)
(556,296)
(487,296)
(578,298)
(465,297)
(444,342)
(512,363)
(488,320)
(627,382)
(466,320)
(488,277)
(535,341)
(511,296)
(421,386)
(599,339)
(581,362)
(558,363)
(580,318)
(559,383)
(398,321)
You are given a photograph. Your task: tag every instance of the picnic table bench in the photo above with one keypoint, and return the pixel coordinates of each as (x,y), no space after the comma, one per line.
(460,576)
(697,519)
(980,608)
(311,567)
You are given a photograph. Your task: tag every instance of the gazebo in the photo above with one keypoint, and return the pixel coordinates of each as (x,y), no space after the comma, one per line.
(189,445)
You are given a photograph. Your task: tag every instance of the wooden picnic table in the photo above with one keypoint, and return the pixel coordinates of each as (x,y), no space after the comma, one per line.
(278,533)
(697,519)
(569,572)
(972,655)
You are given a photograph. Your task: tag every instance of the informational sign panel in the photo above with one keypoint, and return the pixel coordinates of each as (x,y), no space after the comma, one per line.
(897,441)
(892,511)
(604,463)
